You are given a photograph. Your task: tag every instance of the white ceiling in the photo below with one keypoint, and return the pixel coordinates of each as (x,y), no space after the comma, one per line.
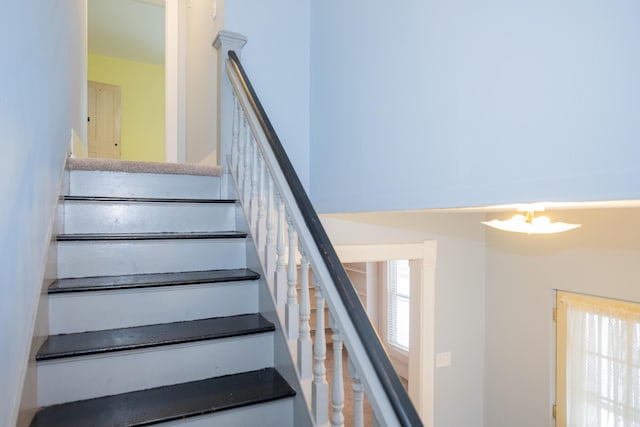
(127,29)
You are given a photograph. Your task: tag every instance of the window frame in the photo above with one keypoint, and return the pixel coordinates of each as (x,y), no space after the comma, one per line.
(399,356)
(560,410)
(391,293)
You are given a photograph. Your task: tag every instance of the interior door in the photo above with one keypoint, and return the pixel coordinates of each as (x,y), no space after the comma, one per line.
(104,120)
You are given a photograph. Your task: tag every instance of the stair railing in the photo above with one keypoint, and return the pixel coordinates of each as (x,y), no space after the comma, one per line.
(290,237)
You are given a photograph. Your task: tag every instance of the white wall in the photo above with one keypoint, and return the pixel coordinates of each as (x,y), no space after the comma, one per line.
(600,258)
(459,297)
(201,80)
(276,59)
(431,103)
(42,97)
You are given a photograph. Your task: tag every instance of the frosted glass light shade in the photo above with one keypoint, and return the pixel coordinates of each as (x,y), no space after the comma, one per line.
(530,225)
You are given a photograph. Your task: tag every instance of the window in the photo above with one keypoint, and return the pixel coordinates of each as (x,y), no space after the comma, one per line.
(398,292)
(598,362)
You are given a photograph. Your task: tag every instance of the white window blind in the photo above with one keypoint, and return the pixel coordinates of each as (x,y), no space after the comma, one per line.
(601,362)
(398,288)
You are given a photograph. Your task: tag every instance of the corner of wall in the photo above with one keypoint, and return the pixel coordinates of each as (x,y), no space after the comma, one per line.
(78,147)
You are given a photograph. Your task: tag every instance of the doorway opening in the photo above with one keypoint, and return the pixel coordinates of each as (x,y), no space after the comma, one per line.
(367,267)
(126,49)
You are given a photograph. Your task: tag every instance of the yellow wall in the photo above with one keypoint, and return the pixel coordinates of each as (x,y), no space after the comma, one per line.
(143,112)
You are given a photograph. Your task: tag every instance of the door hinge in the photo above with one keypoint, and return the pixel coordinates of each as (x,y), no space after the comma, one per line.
(555,314)
(555,411)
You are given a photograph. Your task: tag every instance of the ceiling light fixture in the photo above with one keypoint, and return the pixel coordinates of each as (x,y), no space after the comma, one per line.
(529,223)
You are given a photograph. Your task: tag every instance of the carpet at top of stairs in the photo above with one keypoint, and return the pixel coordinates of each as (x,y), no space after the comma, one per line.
(111,165)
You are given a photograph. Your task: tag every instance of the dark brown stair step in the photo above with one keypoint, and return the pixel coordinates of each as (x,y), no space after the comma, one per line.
(95,342)
(150,236)
(84,284)
(168,403)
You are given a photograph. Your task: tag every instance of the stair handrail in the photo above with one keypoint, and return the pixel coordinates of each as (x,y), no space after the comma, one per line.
(303,212)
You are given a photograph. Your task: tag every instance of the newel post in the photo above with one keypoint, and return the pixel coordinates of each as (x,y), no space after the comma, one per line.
(224,42)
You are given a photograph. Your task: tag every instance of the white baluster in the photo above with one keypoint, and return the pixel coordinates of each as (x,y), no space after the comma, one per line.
(337,385)
(281,274)
(241,149)
(227,157)
(253,204)
(304,340)
(260,231)
(269,249)
(234,134)
(358,396)
(291,313)
(319,388)
(243,164)
(248,157)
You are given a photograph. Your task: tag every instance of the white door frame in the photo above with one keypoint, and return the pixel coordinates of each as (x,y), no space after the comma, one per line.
(175,80)
(175,51)
(422,260)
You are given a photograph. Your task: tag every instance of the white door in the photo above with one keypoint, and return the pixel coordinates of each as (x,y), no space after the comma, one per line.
(104,120)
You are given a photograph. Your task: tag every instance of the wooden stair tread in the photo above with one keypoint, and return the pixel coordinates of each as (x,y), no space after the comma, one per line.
(150,236)
(131,281)
(168,403)
(95,342)
(144,199)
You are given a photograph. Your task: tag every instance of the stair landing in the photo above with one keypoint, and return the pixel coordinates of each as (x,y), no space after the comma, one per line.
(112,165)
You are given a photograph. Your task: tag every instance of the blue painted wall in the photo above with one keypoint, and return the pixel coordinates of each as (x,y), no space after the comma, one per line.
(462,103)
(42,98)
(276,58)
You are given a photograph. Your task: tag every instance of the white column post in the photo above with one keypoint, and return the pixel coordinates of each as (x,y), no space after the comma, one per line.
(260,220)
(224,42)
(372,304)
(337,385)
(421,355)
(292,312)
(255,186)
(269,247)
(358,396)
(242,152)
(281,273)
(305,349)
(235,133)
(176,80)
(319,388)
(245,196)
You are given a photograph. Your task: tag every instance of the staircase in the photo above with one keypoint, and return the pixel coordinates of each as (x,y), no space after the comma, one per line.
(166,311)
(155,317)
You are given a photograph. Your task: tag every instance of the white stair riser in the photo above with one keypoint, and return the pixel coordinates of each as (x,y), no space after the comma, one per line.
(66,380)
(95,258)
(133,217)
(278,413)
(94,311)
(122,184)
